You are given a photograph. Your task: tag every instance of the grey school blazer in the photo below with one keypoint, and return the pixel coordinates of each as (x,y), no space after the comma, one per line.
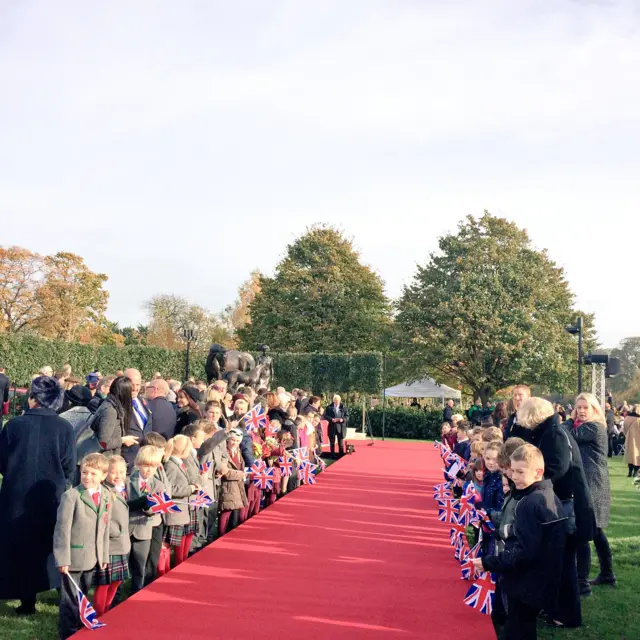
(119,541)
(140,522)
(180,491)
(81,535)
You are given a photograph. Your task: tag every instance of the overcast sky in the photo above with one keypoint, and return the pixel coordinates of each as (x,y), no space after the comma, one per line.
(178,145)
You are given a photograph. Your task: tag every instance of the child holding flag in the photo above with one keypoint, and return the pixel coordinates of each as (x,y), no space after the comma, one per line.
(141,519)
(531,561)
(108,580)
(81,538)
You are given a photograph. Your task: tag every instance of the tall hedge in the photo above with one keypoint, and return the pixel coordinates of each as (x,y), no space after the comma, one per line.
(322,373)
(400,422)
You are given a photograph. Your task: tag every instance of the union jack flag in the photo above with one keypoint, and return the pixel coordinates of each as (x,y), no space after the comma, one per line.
(461,548)
(448,457)
(202,499)
(441,493)
(474,552)
(480,594)
(302,452)
(255,419)
(321,463)
(484,516)
(458,530)
(306,471)
(270,431)
(453,470)
(258,466)
(448,512)
(469,572)
(264,479)
(205,467)
(286,466)
(162,503)
(471,494)
(88,615)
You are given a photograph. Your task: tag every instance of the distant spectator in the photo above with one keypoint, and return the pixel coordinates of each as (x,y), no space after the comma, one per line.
(78,398)
(5,384)
(102,391)
(447,414)
(164,415)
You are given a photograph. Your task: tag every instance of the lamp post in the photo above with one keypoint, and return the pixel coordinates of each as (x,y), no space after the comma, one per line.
(576,329)
(190,336)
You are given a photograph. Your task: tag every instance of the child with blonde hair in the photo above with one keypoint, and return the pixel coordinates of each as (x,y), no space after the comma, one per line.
(178,448)
(141,520)
(108,580)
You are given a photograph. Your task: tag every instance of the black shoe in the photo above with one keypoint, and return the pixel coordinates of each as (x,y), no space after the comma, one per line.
(604,580)
(585,592)
(25,610)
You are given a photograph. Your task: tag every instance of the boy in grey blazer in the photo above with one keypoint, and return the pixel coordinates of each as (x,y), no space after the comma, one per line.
(81,538)
(141,520)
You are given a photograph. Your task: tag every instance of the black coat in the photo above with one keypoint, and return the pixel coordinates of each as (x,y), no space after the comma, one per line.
(184,418)
(447,414)
(330,413)
(531,562)
(563,466)
(164,417)
(37,461)
(5,383)
(514,430)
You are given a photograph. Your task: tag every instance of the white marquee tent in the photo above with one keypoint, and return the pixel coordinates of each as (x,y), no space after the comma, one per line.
(427,388)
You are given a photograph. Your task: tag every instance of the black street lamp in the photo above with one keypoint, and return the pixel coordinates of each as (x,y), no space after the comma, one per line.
(190,336)
(576,329)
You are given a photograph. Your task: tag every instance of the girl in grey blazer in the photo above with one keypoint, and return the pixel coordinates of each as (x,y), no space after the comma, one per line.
(178,448)
(109,579)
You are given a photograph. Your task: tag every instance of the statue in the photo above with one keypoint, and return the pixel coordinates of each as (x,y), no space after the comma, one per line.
(221,360)
(258,377)
(266,362)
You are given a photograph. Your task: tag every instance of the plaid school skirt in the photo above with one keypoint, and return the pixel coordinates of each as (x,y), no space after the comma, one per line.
(192,527)
(175,533)
(116,571)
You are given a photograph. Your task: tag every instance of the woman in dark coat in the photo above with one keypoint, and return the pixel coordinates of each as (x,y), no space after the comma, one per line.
(112,418)
(188,409)
(589,427)
(563,466)
(37,461)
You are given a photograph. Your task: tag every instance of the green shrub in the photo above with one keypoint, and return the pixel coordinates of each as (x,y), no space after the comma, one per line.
(401,422)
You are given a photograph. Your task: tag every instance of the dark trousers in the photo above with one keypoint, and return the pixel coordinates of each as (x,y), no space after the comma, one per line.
(138,562)
(605,558)
(151,568)
(633,470)
(229,520)
(521,621)
(610,438)
(336,432)
(69,613)
(568,610)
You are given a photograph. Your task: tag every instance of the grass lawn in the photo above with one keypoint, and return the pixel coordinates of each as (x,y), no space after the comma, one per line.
(609,614)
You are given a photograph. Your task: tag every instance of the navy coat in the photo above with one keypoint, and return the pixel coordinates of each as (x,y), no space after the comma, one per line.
(37,461)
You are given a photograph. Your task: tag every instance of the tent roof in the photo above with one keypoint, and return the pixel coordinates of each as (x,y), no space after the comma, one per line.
(427,388)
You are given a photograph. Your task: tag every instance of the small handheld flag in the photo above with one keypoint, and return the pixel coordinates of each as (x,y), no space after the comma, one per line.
(305,472)
(255,419)
(480,594)
(162,503)
(201,499)
(88,615)
(264,479)
(286,466)
(205,467)
(448,513)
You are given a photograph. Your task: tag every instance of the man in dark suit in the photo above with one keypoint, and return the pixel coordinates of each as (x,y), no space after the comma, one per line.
(141,424)
(447,414)
(337,416)
(164,415)
(5,383)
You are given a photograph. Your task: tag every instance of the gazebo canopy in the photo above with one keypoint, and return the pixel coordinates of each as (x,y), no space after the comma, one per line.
(427,388)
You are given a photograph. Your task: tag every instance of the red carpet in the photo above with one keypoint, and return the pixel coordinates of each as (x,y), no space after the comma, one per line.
(359,555)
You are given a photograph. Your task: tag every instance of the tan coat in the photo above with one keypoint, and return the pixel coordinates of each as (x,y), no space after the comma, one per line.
(631,430)
(233,495)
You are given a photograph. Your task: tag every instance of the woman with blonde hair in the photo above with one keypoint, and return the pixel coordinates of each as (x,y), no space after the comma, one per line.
(589,427)
(540,426)
(631,431)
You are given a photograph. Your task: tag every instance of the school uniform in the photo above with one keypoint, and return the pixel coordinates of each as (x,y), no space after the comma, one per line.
(119,540)
(80,542)
(196,516)
(180,491)
(141,523)
(157,533)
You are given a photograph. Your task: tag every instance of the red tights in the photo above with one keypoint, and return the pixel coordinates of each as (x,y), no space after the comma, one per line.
(181,553)
(104,595)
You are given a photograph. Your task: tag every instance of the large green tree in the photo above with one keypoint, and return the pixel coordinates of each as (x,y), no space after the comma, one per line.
(490,311)
(629,353)
(321,298)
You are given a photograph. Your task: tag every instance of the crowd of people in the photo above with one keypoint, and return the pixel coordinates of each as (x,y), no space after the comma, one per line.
(543,479)
(86,461)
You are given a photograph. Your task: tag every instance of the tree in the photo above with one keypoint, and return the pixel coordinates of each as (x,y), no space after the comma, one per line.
(237,315)
(321,298)
(20,276)
(629,353)
(170,315)
(71,297)
(490,311)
